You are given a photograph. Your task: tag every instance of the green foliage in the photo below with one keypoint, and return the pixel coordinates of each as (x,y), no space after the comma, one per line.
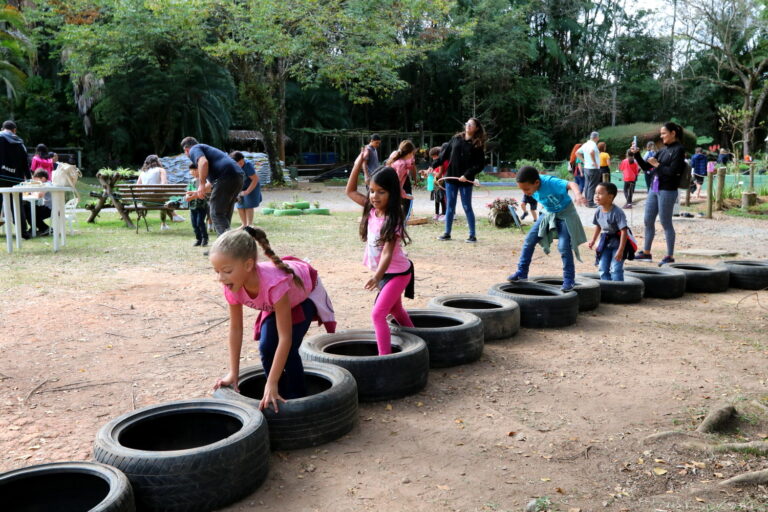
(519,164)
(618,139)
(16,50)
(123,172)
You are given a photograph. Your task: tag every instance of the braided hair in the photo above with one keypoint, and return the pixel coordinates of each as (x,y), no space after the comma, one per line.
(242,243)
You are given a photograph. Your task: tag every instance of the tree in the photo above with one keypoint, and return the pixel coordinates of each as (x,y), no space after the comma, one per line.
(734,34)
(16,50)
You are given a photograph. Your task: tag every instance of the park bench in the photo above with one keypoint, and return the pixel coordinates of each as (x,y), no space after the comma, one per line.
(144,198)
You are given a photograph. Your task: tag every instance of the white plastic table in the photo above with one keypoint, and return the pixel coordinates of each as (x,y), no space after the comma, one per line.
(12,196)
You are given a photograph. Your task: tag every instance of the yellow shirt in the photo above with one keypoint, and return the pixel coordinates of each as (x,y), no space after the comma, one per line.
(605,160)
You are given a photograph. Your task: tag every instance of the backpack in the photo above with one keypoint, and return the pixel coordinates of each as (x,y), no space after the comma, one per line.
(685,177)
(66,175)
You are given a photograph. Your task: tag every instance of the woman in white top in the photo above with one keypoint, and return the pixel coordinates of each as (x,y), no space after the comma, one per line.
(153,173)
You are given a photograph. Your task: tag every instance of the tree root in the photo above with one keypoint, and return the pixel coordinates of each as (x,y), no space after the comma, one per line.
(717,419)
(752,447)
(751,478)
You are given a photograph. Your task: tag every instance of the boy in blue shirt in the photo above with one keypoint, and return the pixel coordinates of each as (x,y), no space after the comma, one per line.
(558,220)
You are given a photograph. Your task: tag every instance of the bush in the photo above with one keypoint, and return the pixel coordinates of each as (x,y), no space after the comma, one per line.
(519,164)
(618,139)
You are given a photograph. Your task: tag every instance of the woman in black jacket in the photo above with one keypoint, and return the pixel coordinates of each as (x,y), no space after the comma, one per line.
(465,154)
(666,167)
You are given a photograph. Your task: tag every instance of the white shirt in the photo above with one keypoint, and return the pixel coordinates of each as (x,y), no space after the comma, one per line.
(590,162)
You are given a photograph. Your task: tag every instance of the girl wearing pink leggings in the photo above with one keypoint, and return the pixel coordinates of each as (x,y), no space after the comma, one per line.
(383,229)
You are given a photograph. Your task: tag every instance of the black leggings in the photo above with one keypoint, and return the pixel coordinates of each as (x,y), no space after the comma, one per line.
(629,191)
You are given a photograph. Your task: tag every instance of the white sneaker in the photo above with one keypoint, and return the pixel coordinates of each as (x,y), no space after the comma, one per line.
(177,218)
(164,227)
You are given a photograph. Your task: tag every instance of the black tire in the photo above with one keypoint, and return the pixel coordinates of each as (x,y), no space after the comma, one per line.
(500,316)
(660,283)
(588,290)
(66,487)
(452,337)
(401,373)
(628,291)
(541,305)
(704,278)
(748,274)
(192,455)
(328,412)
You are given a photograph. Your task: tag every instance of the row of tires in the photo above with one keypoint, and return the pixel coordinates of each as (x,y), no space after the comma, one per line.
(204,454)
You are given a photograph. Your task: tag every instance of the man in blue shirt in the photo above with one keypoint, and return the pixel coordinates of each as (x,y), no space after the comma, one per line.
(224,175)
(699,166)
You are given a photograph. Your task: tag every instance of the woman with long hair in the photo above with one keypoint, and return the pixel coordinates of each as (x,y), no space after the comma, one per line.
(465,154)
(402,160)
(153,173)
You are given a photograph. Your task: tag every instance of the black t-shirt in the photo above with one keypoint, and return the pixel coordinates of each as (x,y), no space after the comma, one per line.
(219,163)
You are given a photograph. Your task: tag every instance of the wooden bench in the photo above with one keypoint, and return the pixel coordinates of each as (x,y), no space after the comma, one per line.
(143,198)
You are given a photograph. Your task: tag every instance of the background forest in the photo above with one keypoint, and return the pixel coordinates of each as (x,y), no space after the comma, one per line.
(125,78)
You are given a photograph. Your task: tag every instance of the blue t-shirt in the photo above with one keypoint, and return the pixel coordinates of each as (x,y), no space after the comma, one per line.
(552,194)
(699,164)
(219,163)
(249,171)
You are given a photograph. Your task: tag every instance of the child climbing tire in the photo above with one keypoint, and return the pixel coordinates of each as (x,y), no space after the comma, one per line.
(628,291)
(660,283)
(541,305)
(452,337)
(704,278)
(66,486)
(500,316)
(588,290)
(327,412)
(748,274)
(401,373)
(191,455)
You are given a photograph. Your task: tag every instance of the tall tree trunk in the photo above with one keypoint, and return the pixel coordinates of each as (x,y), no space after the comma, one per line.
(281,112)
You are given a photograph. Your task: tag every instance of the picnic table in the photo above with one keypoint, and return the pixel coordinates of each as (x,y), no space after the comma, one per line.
(12,199)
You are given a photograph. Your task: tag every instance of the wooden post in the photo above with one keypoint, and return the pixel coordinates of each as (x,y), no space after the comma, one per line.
(688,196)
(721,172)
(710,195)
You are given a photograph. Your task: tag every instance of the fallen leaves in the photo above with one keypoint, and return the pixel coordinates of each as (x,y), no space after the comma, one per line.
(659,471)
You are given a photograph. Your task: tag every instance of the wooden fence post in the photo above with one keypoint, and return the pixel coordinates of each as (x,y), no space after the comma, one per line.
(710,194)
(721,172)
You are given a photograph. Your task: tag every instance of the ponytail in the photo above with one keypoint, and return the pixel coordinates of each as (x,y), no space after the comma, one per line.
(260,236)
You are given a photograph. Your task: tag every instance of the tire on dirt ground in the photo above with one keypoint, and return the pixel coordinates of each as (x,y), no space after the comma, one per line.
(541,305)
(500,316)
(401,373)
(587,289)
(190,455)
(701,278)
(452,337)
(628,291)
(327,412)
(66,486)
(660,283)
(748,274)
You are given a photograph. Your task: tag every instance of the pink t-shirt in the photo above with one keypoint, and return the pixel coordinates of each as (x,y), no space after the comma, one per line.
(402,167)
(42,163)
(273,285)
(629,170)
(372,255)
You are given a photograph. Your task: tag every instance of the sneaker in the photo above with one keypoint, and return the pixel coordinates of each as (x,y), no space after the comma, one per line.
(666,259)
(568,285)
(197,243)
(517,277)
(627,206)
(444,237)
(471,240)
(435,217)
(178,218)
(204,244)
(643,256)
(524,215)
(441,218)
(164,227)
(26,235)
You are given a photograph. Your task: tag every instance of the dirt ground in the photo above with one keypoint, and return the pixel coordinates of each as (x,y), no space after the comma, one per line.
(549,413)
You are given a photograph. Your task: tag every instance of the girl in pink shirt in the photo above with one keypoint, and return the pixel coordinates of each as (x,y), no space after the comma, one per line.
(289,295)
(42,161)
(383,230)
(404,163)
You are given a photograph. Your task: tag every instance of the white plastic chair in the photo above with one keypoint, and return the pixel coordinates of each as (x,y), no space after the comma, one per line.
(69,214)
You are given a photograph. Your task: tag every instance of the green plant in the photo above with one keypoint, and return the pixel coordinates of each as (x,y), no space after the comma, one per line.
(562,171)
(273,204)
(316,204)
(542,504)
(519,164)
(123,172)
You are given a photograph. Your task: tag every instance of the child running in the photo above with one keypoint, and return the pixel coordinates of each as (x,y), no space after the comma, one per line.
(629,171)
(289,295)
(382,227)
(559,220)
(611,228)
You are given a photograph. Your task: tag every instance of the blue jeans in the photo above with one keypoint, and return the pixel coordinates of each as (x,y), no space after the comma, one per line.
(610,269)
(197,217)
(291,383)
(452,190)
(563,245)
(580,181)
(661,203)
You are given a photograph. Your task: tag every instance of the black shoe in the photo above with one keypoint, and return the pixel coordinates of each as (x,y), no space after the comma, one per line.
(444,237)
(471,240)
(204,243)
(26,235)
(524,215)
(197,243)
